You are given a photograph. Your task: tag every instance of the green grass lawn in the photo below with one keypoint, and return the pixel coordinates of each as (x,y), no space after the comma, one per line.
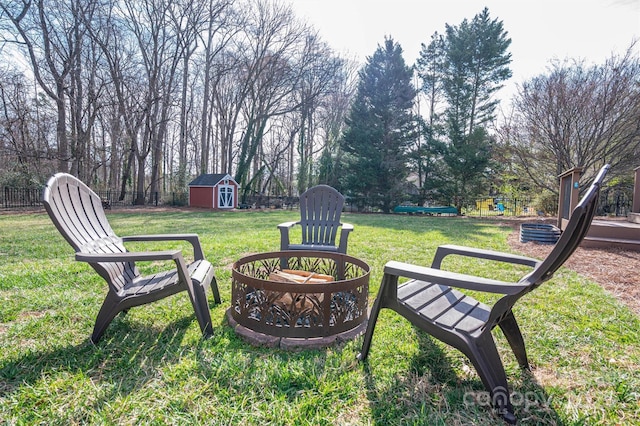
(152,367)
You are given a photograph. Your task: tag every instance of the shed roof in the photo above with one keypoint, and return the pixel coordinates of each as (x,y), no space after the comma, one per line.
(211,179)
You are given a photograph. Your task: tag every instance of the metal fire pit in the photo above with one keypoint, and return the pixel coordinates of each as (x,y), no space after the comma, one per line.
(290,315)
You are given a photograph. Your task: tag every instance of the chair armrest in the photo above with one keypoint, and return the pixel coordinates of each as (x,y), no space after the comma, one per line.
(344,236)
(287,225)
(191,238)
(347,227)
(448,249)
(284,234)
(452,279)
(130,256)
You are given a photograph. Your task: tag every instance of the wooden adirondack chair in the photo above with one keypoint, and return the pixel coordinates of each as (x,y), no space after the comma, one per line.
(320,210)
(430,301)
(78,214)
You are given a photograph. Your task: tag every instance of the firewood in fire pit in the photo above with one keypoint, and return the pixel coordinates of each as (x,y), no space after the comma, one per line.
(302,277)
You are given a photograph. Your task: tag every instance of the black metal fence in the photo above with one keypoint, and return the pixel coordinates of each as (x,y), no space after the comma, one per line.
(268,202)
(32,197)
(113,198)
(614,201)
(501,206)
(352,205)
(21,197)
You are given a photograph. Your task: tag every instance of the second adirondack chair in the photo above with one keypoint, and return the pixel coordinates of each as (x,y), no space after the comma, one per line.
(78,214)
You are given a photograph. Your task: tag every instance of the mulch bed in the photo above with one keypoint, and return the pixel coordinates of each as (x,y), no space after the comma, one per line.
(614,268)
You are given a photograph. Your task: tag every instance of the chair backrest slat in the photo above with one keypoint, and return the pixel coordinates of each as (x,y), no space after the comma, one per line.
(71,208)
(78,214)
(320,210)
(64,213)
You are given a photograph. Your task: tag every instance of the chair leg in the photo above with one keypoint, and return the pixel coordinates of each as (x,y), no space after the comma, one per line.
(284,245)
(373,315)
(509,327)
(485,357)
(215,290)
(368,335)
(284,263)
(198,298)
(107,313)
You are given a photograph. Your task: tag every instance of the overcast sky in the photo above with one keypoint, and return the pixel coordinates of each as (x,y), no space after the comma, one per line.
(540,30)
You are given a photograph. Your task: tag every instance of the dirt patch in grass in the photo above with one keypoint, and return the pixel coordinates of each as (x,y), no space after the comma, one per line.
(32,314)
(614,268)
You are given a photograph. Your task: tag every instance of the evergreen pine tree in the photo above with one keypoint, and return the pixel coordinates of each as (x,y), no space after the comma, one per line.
(380,127)
(427,159)
(476,63)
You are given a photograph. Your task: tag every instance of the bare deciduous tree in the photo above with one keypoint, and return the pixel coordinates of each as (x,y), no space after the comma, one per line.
(25,157)
(321,74)
(577,116)
(221,26)
(150,90)
(45,32)
(270,71)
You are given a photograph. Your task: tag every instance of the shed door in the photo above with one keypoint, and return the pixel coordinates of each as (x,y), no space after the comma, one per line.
(225,196)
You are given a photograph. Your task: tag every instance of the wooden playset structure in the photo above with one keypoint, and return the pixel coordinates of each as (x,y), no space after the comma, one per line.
(602,233)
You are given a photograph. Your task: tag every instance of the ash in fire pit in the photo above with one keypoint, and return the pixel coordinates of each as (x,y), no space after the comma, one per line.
(320,298)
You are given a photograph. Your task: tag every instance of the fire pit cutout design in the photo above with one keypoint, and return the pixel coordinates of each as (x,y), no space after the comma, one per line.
(289,315)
